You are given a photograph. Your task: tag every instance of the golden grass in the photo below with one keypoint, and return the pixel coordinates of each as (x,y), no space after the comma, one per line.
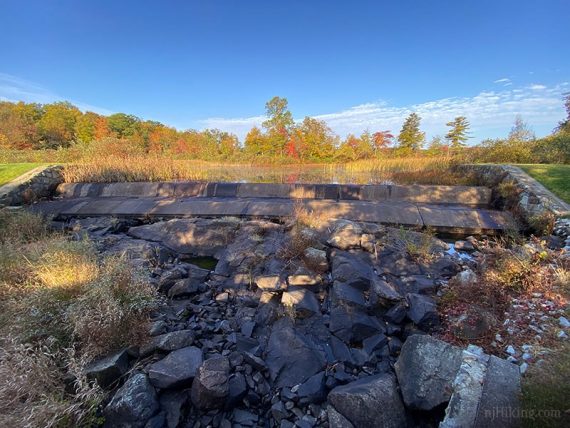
(62,305)
(130,168)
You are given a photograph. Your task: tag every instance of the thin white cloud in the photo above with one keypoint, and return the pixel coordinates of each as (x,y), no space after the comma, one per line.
(489,112)
(13,88)
(537,87)
(503,80)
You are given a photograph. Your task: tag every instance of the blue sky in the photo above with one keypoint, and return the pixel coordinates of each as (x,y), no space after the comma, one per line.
(355,64)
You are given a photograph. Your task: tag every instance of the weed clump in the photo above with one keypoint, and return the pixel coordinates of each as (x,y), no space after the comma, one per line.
(63,305)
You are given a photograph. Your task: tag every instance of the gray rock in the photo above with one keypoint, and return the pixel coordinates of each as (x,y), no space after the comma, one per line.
(211,386)
(342,294)
(348,268)
(303,301)
(173,403)
(183,288)
(270,283)
(316,259)
(422,311)
(237,389)
(172,341)
(133,404)
(245,418)
(426,369)
(353,325)
(464,246)
(374,343)
(291,356)
(177,369)
(336,420)
(109,369)
(501,390)
(345,235)
(201,237)
(382,293)
(370,402)
(313,390)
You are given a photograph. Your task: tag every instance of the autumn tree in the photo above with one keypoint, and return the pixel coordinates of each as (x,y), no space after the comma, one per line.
(458,134)
(18,125)
(411,139)
(122,125)
(256,143)
(278,124)
(318,139)
(57,125)
(381,140)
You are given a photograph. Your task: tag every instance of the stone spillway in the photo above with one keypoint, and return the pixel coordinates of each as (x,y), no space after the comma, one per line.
(454,209)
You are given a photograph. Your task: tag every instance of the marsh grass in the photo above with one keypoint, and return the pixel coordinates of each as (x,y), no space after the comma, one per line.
(62,305)
(420,170)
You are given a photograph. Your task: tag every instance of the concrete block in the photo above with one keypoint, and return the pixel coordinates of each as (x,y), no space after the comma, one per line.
(264,190)
(349,192)
(226,190)
(375,192)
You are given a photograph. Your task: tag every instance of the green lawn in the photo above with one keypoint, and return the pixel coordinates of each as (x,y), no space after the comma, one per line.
(9,171)
(555,178)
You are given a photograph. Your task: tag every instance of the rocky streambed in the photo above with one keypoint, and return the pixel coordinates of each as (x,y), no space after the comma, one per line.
(294,327)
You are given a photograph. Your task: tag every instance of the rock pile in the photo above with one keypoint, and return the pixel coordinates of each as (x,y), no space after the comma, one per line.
(291,328)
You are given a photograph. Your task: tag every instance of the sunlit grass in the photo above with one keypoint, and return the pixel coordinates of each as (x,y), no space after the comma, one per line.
(10,171)
(555,178)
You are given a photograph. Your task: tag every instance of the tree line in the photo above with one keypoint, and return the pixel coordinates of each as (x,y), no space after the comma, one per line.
(61,125)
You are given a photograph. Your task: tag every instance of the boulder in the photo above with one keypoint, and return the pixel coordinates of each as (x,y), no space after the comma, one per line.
(303,301)
(345,235)
(183,288)
(501,390)
(426,369)
(200,237)
(370,402)
(211,385)
(422,310)
(350,269)
(336,420)
(169,342)
(291,356)
(133,404)
(177,369)
(383,293)
(316,259)
(344,295)
(109,369)
(353,325)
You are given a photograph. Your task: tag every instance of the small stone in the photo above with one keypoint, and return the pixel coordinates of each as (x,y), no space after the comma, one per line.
(512,359)
(510,350)
(564,323)
(562,335)
(523,368)
(107,370)
(526,356)
(222,298)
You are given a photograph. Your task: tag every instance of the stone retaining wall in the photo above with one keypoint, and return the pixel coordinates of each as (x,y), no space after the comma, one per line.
(464,195)
(531,199)
(38,183)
